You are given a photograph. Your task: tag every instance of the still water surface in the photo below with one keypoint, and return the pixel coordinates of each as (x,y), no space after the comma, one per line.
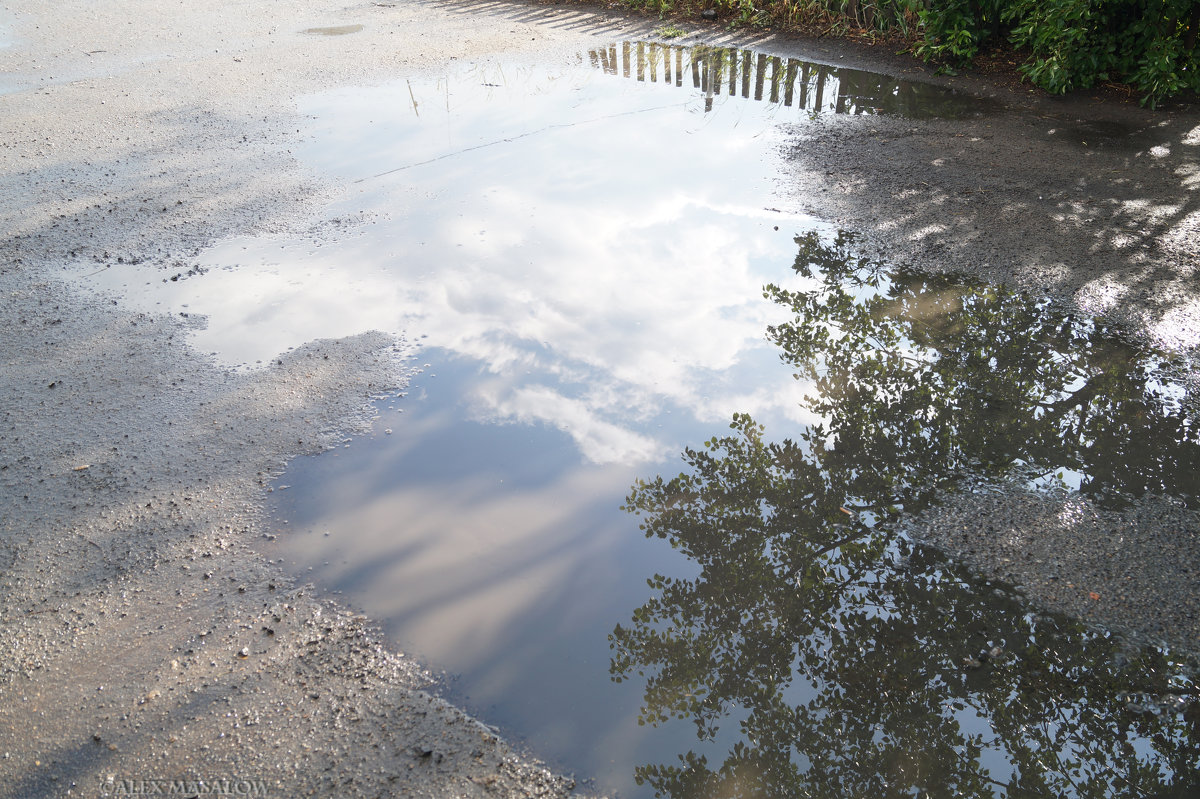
(582,251)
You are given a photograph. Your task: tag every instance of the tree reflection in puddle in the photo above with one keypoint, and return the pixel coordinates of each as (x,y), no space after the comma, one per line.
(924,379)
(855,663)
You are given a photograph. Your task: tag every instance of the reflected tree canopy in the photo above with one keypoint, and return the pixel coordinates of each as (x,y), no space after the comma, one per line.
(926,378)
(842,660)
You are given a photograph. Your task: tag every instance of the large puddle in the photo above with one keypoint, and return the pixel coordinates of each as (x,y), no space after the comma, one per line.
(771,627)
(582,252)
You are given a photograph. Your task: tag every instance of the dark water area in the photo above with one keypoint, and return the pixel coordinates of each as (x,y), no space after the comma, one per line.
(786,82)
(642,506)
(915,676)
(492,551)
(922,382)
(787,640)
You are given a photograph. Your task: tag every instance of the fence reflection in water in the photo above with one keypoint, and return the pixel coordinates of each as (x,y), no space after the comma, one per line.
(809,87)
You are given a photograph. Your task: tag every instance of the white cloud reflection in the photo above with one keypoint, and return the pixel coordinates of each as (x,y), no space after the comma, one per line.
(600,441)
(605,256)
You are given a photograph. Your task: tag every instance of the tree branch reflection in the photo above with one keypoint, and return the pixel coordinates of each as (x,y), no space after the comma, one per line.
(845,661)
(926,378)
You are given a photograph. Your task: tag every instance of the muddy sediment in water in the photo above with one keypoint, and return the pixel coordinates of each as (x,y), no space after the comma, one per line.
(1092,202)
(145,637)
(1132,570)
(1089,202)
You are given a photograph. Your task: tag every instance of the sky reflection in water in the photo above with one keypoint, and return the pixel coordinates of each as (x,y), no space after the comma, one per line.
(583,251)
(586,257)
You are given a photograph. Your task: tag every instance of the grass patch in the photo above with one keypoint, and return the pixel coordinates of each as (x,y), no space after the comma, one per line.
(870,20)
(669,32)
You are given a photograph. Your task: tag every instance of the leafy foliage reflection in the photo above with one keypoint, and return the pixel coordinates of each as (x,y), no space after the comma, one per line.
(850,662)
(924,378)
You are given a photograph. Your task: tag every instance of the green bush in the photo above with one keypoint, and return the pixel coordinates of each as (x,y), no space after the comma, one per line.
(1075,44)
(952,31)
(1150,45)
